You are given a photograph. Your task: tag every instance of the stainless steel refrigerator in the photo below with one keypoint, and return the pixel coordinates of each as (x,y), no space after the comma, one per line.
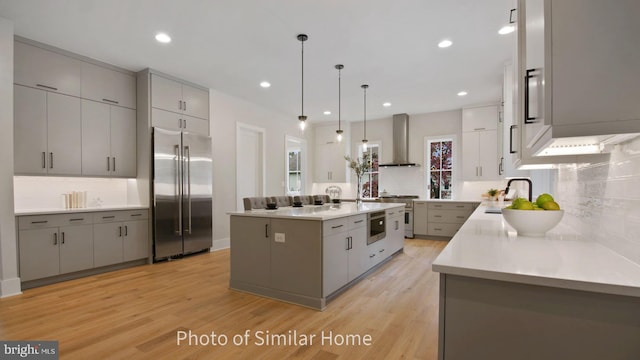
(182,189)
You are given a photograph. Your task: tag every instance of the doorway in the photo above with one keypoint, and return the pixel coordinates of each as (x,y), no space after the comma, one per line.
(250,162)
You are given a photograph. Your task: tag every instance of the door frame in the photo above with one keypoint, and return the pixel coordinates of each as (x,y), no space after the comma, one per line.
(262,135)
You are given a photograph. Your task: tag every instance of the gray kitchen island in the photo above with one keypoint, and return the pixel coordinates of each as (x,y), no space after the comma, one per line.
(309,254)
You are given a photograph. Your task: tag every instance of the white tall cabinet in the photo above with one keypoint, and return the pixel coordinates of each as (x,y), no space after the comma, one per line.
(480,143)
(330,165)
(177,105)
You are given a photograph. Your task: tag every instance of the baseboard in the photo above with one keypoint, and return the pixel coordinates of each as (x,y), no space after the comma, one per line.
(10,287)
(221,244)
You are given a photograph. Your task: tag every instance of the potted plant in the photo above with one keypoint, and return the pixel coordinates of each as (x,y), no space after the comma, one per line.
(493,193)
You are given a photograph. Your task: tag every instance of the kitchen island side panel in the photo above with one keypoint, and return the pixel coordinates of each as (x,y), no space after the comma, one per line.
(490,319)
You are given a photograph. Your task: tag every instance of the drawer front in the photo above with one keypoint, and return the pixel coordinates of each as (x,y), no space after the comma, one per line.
(335,226)
(443,229)
(358,221)
(120,215)
(40,221)
(451,206)
(448,216)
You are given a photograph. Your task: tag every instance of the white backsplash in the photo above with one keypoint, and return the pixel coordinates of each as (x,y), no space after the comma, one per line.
(602,200)
(44,192)
(402,180)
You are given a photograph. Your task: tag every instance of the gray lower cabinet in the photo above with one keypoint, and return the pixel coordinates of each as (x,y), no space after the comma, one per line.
(395,229)
(57,244)
(250,250)
(344,250)
(120,236)
(53,245)
(440,218)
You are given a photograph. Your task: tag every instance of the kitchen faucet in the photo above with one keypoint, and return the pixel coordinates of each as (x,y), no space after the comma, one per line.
(506,191)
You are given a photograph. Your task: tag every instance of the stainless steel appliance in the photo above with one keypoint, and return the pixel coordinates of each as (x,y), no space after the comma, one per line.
(377,226)
(182,193)
(408,210)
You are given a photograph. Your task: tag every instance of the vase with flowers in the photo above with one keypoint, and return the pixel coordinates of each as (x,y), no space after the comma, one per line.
(360,166)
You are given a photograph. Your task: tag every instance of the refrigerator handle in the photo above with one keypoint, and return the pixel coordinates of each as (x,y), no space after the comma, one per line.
(178,183)
(187,153)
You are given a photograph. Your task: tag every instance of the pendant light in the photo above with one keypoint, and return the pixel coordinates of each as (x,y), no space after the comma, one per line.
(364,141)
(302,118)
(339,131)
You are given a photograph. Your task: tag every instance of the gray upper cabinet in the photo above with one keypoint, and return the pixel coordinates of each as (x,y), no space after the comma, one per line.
(47,70)
(108,86)
(177,97)
(108,140)
(46,132)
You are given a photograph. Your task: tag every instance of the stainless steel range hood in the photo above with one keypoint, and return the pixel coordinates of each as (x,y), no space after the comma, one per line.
(400,141)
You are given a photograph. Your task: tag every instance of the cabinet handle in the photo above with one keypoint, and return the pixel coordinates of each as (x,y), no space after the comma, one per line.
(459,206)
(337,226)
(500,166)
(480,170)
(136,214)
(185,105)
(120,231)
(527,118)
(511,151)
(55,238)
(44,160)
(114,163)
(372,256)
(266,230)
(108,217)
(108,164)
(438,216)
(437,229)
(381,251)
(47,87)
(50,160)
(476,129)
(78,219)
(184,123)
(460,217)
(126,230)
(180,104)
(40,222)
(62,237)
(110,101)
(358,222)
(348,243)
(397,225)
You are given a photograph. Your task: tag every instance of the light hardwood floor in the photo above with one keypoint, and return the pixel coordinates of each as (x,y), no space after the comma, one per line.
(138,313)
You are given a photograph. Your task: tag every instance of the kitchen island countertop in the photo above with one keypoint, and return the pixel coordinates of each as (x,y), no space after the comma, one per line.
(319,212)
(487,247)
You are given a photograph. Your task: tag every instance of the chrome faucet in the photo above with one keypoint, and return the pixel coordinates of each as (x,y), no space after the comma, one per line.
(506,191)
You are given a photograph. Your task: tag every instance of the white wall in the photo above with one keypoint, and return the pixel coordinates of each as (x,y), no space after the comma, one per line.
(226,111)
(602,200)
(9,281)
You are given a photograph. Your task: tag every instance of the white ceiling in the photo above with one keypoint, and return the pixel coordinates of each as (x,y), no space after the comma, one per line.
(233,45)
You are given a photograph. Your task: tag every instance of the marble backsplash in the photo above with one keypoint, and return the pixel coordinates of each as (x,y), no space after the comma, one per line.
(602,200)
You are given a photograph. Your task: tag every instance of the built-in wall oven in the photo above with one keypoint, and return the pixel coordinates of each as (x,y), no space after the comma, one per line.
(377,226)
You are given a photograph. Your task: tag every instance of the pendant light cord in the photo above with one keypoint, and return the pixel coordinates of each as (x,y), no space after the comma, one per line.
(365,111)
(302,70)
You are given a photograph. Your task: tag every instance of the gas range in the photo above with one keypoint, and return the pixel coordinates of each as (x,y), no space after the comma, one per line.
(406,199)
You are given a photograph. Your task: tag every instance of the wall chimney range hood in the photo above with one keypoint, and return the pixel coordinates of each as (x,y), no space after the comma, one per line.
(400,142)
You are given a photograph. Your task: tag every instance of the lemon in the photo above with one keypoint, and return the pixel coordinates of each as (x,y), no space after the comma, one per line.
(525,205)
(515,204)
(551,205)
(543,198)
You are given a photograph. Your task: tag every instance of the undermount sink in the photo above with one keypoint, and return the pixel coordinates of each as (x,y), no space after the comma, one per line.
(493,210)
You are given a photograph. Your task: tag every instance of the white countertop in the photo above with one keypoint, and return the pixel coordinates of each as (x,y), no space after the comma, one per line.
(19,212)
(319,212)
(487,247)
(449,200)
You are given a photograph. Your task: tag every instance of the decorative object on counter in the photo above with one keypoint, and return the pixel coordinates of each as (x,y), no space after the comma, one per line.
(530,218)
(302,118)
(339,131)
(74,200)
(359,167)
(334,192)
(364,140)
(491,194)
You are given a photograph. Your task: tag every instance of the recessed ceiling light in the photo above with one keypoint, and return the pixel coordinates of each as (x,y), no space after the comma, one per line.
(387,104)
(327,112)
(163,38)
(507,29)
(445,43)
(265,84)
(462,93)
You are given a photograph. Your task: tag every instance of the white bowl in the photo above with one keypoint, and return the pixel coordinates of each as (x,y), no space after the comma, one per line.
(532,222)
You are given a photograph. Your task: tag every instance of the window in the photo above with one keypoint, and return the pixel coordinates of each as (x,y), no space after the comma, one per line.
(440,168)
(295,165)
(370,179)
(294,180)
